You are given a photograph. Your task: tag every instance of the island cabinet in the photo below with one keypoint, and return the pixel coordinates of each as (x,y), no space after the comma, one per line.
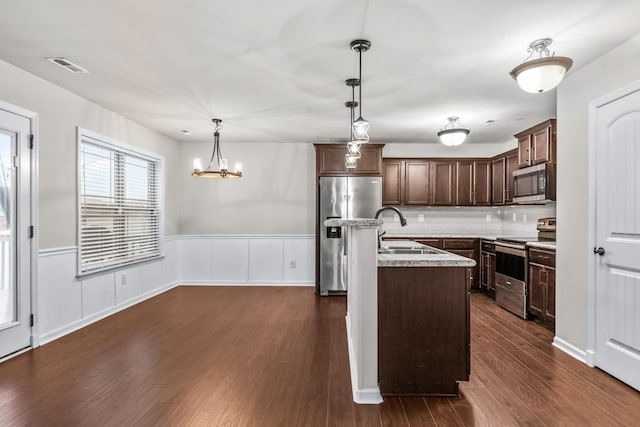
(330,160)
(423,330)
(537,144)
(542,286)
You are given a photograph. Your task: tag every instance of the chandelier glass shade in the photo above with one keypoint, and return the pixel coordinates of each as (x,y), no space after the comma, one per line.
(544,73)
(453,133)
(218,167)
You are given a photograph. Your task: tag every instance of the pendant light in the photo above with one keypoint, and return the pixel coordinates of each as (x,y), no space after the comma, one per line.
(544,73)
(453,133)
(353,147)
(221,170)
(360,125)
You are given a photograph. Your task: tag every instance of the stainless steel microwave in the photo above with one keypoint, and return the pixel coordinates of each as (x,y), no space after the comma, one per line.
(535,183)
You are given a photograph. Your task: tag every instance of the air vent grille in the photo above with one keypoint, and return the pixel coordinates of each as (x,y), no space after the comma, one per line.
(67,65)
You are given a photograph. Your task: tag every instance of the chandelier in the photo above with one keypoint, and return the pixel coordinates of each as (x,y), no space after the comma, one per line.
(221,168)
(544,73)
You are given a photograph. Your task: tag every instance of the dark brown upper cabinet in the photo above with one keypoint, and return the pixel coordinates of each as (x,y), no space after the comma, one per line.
(330,160)
(392,182)
(473,182)
(502,185)
(442,183)
(416,182)
(537,144)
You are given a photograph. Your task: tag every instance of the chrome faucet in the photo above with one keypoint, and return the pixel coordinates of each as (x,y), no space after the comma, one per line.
(403,220)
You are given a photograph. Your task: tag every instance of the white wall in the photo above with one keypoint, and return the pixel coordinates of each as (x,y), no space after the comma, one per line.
(613,70)
(276,194)
(59,112)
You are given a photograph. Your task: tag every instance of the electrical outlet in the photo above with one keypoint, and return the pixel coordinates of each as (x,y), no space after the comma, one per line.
(488,217)
(123,279)
(420,217)
(524,217)
(292,264)
(514,217)
(396,218)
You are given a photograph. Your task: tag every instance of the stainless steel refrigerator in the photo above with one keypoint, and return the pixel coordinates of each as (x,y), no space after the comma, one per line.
(342,197)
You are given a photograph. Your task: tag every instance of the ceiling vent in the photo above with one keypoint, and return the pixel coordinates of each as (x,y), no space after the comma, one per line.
(67,65)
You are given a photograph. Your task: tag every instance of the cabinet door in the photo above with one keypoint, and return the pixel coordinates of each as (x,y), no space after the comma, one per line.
(492,272)
(443,183)
(481,183)
(497,181)
(511,164)
(468,253)
(550,300)
(464,183)
(370,162)
(485,270)
(416,182)
(541,146)
(524,151)
(330,160)
(392,181)
(536,290)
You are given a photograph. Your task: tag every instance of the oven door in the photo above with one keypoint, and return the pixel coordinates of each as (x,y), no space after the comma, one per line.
(511,261)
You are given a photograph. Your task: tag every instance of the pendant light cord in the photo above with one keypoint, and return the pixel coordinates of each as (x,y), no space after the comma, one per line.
(360,77)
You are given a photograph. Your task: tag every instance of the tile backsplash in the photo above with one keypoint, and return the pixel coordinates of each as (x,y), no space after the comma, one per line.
(503,220)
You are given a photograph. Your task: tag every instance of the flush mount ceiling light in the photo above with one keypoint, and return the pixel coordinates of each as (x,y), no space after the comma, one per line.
(360,125)
(353,147)
(221,169)
(453,133)
(544,73)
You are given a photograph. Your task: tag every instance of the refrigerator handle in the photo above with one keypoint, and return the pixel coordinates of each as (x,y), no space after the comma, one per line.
(346,242)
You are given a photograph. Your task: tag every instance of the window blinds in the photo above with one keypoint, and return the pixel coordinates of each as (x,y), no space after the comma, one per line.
(119,207)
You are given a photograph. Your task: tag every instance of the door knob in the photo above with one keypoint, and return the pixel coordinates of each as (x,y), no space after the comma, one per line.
(600,251)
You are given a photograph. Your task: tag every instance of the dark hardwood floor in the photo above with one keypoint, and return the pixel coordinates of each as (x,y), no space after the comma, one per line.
(275,356)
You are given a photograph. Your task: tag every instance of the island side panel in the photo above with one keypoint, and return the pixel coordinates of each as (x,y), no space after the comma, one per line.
(423,330)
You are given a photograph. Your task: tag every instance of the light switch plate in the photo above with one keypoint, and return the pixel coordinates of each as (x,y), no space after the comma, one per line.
(524,217)
(420,217)
(514,217)
(488,217)
(396,218)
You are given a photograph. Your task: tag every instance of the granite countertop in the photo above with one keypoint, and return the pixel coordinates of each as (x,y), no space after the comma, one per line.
(439,259)
(353,222)
(542,245)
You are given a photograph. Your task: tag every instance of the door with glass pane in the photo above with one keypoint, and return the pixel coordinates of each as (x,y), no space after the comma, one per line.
(15,195)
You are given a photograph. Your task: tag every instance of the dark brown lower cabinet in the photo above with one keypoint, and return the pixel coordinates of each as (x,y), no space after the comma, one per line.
(488,271)
(423,330)
(542,287)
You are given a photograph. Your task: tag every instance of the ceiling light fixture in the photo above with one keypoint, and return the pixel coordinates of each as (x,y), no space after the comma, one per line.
(544,73)
(222,170)
(453,133)
(353,147)
(360,125)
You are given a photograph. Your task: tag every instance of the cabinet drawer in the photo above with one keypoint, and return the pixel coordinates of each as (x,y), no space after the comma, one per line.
(488,246)
(458,243)
(547,258)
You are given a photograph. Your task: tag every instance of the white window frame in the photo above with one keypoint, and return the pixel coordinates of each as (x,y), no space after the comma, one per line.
(84,135)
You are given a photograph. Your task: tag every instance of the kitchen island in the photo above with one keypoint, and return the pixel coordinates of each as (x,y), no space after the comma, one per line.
(423,321)
(368,269)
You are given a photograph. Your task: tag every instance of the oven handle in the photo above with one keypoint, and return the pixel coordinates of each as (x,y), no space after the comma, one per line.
(510,249)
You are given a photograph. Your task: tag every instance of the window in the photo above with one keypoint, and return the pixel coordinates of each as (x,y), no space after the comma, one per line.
(120,218)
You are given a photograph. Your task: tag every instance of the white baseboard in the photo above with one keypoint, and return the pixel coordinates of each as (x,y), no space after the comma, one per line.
(365,396)
(571,350)
(240,283)
(72,327)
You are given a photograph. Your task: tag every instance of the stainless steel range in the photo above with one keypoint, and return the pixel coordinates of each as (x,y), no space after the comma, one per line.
(511,267)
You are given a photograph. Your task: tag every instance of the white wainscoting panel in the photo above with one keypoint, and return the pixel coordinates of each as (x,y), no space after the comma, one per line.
(128,284)
(59,293)
(98,293)
(150,276)
(300,252)
(171,262)
(194,259)
(229,260)
(265,260)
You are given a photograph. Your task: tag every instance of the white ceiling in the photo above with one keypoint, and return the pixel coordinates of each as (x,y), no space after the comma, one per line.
(275,70)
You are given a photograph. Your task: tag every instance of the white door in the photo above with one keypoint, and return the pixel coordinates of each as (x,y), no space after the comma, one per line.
(15,266)
(617,287)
